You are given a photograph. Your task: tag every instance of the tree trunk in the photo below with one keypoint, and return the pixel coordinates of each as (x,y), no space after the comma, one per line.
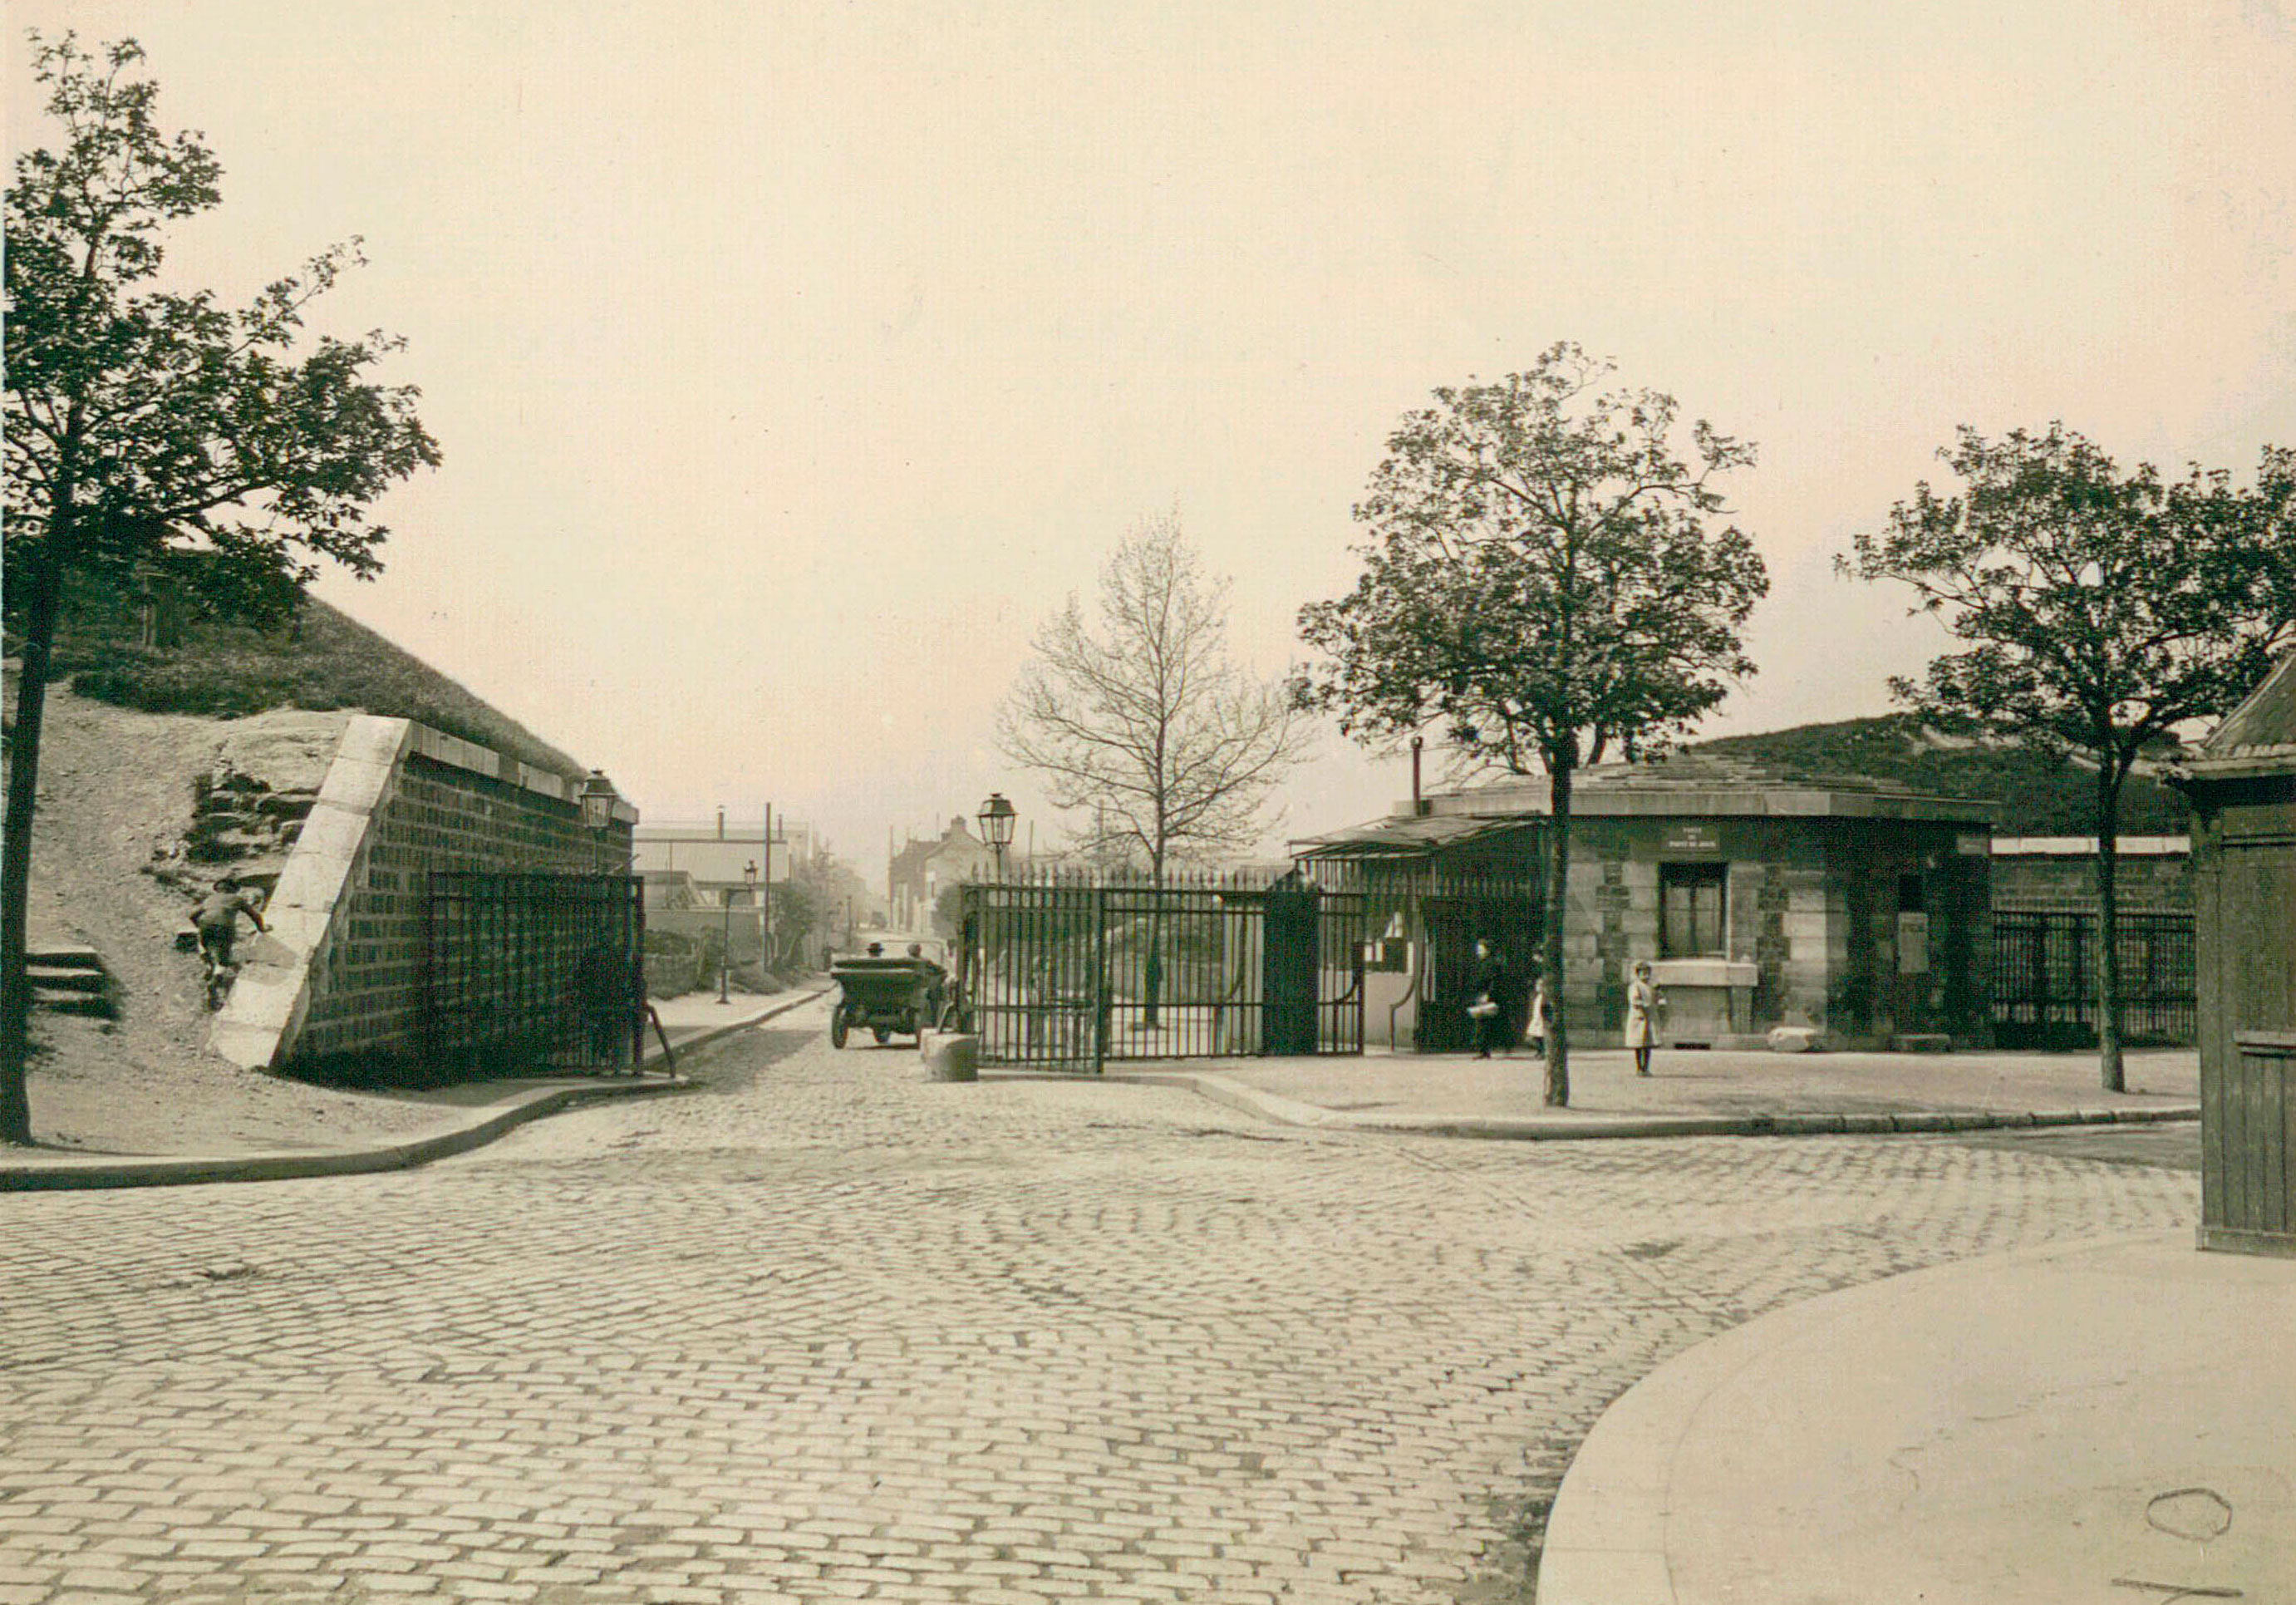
(2108,925)
(1152,968)
(46,580)
(1558,901)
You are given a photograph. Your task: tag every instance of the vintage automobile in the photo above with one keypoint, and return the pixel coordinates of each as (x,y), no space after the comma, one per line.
(883,991)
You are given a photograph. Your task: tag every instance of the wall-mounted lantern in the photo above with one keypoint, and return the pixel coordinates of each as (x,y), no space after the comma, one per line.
(598,797)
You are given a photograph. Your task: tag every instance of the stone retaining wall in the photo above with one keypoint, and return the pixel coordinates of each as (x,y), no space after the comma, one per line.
(338,985)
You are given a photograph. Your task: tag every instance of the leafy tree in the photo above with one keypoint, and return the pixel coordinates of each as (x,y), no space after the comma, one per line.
(1147,721)
(153,428)
(948,912)
(1545,581)
(2103,613)
(797,914)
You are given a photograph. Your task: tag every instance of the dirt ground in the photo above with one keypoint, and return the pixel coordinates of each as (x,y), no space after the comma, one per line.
(116,794)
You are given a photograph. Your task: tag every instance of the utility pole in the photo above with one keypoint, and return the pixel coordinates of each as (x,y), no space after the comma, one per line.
(766,898)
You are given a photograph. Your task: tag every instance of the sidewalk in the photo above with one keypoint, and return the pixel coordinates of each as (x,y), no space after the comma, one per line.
(2096,1421)
(411,1128)
(698,1017)
(1694,1093)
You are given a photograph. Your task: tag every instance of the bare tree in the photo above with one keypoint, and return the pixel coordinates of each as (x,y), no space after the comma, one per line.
(1141,716)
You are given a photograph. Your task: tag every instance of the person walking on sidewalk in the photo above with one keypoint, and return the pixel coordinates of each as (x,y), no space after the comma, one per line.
(1642,1008)
(1487,1000)
(217,920)
(1535,1026)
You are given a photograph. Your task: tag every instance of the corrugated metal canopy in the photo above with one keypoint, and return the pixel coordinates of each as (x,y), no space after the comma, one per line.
(1408,835)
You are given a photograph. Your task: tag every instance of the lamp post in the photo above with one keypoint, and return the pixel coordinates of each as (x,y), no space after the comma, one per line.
(996,817)
(622,923)
(726,951)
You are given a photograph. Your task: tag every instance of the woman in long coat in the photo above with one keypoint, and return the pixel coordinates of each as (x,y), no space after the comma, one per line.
(1642,1005)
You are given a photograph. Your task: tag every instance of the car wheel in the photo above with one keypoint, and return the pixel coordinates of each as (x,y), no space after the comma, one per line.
(837,1026)
(882,1035)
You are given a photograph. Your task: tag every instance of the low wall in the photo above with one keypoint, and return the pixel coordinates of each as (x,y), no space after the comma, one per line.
(2154,876)
(340,984)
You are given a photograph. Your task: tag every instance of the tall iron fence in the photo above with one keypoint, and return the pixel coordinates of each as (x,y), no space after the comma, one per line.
(2045,970)
(532,973)
(1061,972)
(1425,920)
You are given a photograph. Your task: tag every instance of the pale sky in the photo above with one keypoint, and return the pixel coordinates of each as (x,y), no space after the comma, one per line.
(792,362)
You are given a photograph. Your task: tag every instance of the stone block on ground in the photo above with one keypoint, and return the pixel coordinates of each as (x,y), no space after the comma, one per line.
(1795,1039)
(949,1055)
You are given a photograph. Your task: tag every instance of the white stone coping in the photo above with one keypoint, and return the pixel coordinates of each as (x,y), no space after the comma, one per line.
(452,751)
(2134,846)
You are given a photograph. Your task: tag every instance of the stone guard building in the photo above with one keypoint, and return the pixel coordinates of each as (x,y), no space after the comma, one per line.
(1763,898)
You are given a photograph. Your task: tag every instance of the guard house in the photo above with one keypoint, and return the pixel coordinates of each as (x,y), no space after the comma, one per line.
(2242,787)
(1763,898)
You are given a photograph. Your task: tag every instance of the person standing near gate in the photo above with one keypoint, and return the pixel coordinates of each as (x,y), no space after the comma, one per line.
(1535,1025)
(1487,1000)
(606,990)
(1642,1009)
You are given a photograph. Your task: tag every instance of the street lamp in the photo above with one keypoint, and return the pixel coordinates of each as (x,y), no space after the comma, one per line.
(725,950)
(996,817)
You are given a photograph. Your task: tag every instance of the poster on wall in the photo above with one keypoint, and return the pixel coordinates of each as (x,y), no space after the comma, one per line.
(1913,944)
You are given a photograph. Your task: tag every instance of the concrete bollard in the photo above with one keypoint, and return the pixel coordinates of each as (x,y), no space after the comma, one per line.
(949,1055)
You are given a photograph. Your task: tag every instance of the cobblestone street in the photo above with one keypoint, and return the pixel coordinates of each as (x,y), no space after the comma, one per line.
(823,1331)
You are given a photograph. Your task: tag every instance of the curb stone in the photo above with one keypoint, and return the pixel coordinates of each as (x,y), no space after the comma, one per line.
(94,1170)
(1286,1111)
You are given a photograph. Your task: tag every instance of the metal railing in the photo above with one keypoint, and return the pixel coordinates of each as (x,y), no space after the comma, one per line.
(1065,972)
(2043,981)
(526,974)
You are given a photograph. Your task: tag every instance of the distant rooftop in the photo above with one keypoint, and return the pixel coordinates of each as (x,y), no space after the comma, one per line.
(2259,736)
(1695,784)
(1713,783)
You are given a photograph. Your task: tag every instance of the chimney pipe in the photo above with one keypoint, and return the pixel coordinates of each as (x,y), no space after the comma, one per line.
(721,822)
(1416,805)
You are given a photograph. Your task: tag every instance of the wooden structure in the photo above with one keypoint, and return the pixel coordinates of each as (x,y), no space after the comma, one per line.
(2242,787)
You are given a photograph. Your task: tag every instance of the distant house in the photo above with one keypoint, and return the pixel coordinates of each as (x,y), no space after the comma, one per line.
(722,865)
(669,890)
(925,869)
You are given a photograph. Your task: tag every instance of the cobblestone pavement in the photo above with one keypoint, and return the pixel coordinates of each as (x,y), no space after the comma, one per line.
(824,1331)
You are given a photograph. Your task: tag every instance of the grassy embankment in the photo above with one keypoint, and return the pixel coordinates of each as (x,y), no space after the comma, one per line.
(2037,793)
(325,661)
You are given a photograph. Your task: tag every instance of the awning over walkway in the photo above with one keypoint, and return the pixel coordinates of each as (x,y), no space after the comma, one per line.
(1398,836)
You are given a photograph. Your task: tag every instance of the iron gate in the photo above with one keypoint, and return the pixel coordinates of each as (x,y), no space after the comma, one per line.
(527,974)
(1061,971)
(1457,909)
(2044,981)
